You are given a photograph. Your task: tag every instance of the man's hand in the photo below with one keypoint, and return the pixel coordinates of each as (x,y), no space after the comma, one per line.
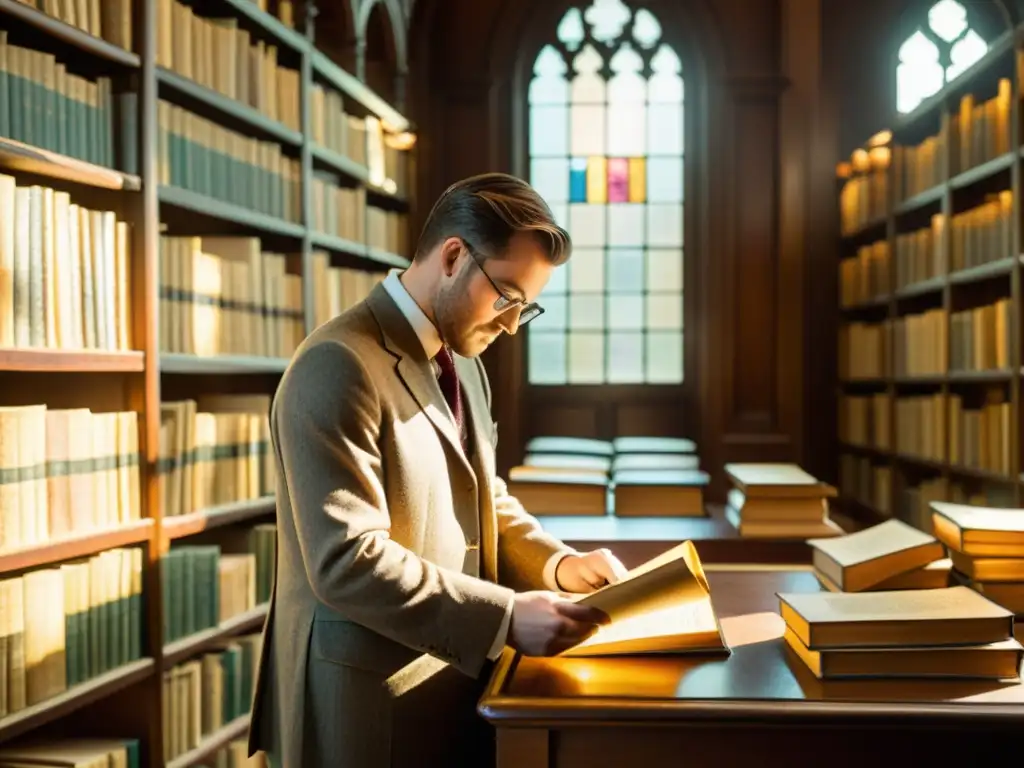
(545,623)
(585,573)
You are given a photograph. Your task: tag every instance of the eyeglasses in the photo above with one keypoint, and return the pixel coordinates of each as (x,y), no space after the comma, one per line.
(528,310)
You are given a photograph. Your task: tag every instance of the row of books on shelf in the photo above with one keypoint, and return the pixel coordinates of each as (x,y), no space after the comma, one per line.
(933,342)
(66,625)
(202,156)
(66,471)
(224,295)
(75,471)
(976,132)
(343,212)
(109,20)
(215,52)
(47,106)
(973,135)
(907,602)
(336,289)
(68,283)
(64,272)
(203,695)
(214,450)
(934,427)
(204,586)
(980,235)
(908,495)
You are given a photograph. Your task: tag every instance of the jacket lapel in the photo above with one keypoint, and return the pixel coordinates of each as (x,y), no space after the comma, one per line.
(482,460)
(414,368)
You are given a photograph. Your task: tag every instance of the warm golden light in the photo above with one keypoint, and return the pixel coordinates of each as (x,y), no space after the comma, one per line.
(844,170)
(403,141)
(880,139)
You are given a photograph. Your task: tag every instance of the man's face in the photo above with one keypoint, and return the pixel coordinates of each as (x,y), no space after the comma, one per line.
(466,311)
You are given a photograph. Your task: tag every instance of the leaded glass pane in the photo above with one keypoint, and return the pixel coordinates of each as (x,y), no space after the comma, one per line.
(625,357)
(608,159)
(549,131)
(586,357)
(664,356)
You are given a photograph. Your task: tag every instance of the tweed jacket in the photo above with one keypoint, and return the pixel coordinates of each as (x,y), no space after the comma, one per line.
(397,554)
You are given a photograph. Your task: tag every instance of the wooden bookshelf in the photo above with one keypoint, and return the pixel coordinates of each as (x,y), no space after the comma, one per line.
(930,376)
(176,157)
(209,746)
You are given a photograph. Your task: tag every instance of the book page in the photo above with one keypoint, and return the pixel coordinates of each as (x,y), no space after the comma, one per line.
(680,626)
(668,581)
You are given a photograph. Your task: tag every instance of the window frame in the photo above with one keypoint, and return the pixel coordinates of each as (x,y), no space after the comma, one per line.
(693,197)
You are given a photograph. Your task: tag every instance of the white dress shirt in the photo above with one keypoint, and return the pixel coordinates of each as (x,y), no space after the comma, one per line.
(431,341)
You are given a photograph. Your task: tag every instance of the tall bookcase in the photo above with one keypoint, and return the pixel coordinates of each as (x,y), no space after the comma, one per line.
(186,190)
(929,380)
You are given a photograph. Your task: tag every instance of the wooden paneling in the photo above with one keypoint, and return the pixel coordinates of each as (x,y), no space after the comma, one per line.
(747,306)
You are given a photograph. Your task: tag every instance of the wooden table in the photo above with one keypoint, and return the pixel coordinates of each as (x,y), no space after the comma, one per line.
(759,706)
(635,540)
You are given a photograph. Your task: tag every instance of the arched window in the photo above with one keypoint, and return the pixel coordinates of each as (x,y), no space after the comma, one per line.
(936,54)
(606,152)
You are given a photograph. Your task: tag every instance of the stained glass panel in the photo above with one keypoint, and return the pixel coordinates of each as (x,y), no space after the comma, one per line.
(626,349)
(626,311)
(625,224)
(586,270)
(664,356)
(664,270)
(586,311)
(586,358)
(626,270)
(547,354)
(549,130)
(614,177)
(665,180)
(549,178)
(919,73)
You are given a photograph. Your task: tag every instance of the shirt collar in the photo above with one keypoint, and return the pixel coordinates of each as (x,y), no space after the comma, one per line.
(425,330)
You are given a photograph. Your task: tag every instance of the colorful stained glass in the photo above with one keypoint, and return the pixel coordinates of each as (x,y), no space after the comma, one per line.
(607,155)
(618,180)
(578,180)
(637,180)
(597,180)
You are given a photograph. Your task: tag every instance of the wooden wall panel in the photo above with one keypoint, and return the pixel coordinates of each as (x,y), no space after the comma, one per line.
(752,278)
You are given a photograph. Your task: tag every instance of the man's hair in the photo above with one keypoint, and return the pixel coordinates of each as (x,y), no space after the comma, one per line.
(486,211)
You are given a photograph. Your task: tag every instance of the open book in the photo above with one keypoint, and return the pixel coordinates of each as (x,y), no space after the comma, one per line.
(662,606)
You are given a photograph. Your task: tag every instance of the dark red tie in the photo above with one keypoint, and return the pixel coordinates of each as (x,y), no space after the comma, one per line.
(449,381)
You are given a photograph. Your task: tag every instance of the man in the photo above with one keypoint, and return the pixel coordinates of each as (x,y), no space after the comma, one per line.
(404,567)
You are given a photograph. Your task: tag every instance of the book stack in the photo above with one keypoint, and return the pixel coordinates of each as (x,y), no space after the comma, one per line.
(986,547)
(888,556)
(953,632)
(779,501)
(641,475)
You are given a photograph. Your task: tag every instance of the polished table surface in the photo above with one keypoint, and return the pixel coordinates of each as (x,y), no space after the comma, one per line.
(761,685)
(638,539)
